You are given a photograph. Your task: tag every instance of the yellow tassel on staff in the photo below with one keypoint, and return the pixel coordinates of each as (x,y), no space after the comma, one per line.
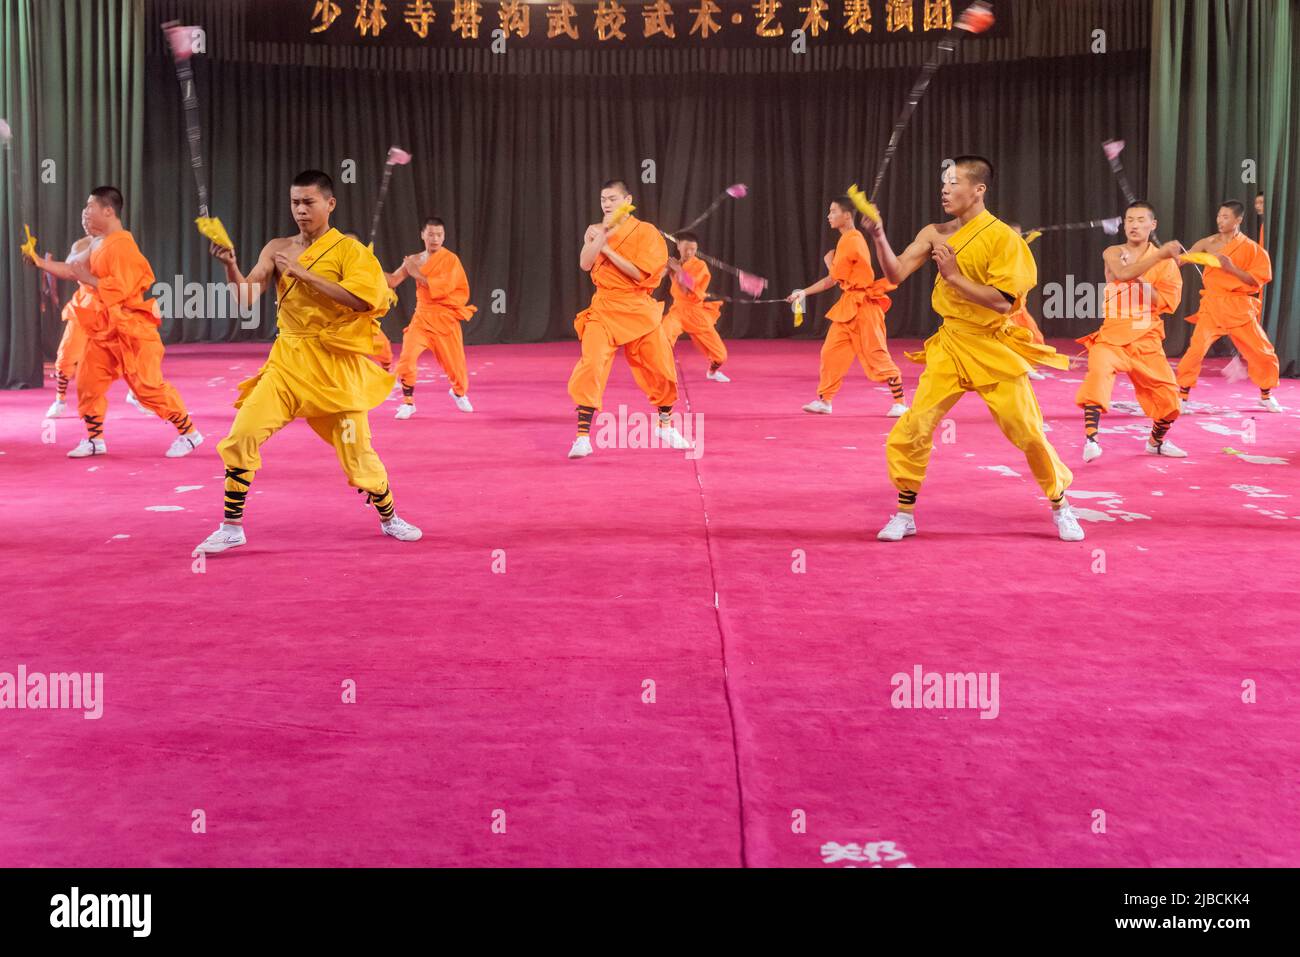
(28,247)
(865,206)
(1031,236)
(1200,259)
(212,229)
(620,214)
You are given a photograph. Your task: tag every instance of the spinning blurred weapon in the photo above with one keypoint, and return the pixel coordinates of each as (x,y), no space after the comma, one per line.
(180,42)
(735,191)
(976,18)
(396,157)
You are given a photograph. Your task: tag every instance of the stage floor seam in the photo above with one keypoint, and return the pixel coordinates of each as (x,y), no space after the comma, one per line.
(717,619)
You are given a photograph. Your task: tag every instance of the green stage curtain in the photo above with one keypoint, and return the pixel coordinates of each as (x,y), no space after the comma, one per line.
(1224,92)
(73,91)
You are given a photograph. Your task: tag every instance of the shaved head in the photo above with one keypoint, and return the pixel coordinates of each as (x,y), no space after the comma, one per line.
(977,169)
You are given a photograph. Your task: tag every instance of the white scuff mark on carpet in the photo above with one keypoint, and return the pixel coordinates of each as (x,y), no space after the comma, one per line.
(1000,470)
(164,508)
(1257,491)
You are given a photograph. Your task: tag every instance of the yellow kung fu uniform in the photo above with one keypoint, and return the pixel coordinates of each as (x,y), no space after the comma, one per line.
(980,350)
(318,368)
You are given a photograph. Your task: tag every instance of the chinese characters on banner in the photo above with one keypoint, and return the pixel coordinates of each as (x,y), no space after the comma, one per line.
(596,23)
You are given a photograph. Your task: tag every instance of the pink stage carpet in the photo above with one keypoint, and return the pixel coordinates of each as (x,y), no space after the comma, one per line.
(1147,678)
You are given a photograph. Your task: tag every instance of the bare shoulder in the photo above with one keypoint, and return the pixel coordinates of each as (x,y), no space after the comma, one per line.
(938,232)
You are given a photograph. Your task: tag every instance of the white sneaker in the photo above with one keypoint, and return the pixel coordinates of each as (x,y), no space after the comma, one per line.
(900,525)
(131,400)
(818,407)
(1091,450)
(405,410)
(1035,374)
(1165,448)
(716,376)
(462,401)
(183,445)
(671,438)
(1067,524)
(1270,404)
(894,412)
(225,537)
(88,447)
(56,409)
(581,447)
(401,530)
(1182,406)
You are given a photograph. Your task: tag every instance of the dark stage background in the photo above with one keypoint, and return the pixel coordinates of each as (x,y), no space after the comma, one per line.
(511,149)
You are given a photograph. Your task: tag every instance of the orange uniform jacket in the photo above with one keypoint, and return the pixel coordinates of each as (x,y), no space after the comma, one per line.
(1226,301)
(445,298)
(851,268)
(1132,309)
(689,306)
(623,305)
(118,309)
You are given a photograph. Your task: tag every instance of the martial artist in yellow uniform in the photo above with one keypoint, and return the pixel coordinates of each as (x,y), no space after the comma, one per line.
(985,273)
(332,293)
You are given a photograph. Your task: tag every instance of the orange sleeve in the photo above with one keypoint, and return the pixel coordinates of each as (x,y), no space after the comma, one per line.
(699,272)
(448,284)
(646,249)
(123,272)
(849,252)
(1167,283)
(1260,266)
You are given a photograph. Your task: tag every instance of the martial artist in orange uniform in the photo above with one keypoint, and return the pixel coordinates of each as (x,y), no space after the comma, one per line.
(1142,285)
(857,320)
(1230,306)
(691,312)
(121,328)
(627,259)
(72,345)
(442,304)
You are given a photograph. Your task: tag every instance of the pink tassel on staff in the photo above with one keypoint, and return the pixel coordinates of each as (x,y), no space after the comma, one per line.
(1235,370)
(976,18)
(398,156)
(750,284)
(738,191)
(181,40)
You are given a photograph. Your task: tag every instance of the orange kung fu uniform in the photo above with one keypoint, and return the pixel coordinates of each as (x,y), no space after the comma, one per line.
(382,350)
(72,346)
(857,319)
(1231,308)
(692,314)
(122,340)
(623,315)
(441,306)
(1024,320)
(1131,340)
